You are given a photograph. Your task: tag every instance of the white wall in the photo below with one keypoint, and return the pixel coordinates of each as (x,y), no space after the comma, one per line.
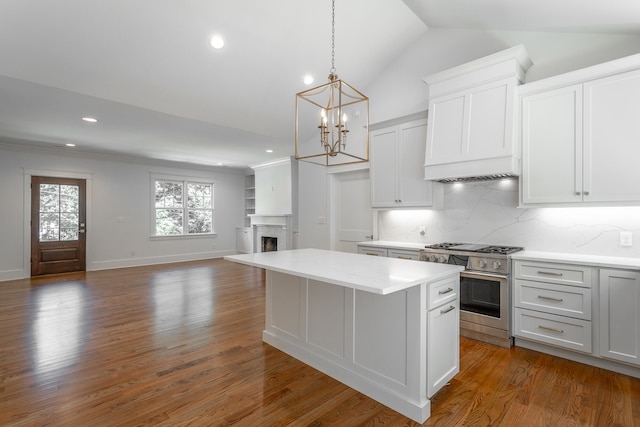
(400,90)
(487,212)
(118,231)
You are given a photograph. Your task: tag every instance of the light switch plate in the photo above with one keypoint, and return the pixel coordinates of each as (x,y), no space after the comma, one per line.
(626,238)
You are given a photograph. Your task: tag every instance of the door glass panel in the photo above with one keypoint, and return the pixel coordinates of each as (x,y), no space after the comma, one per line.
(49,198)
(59,212)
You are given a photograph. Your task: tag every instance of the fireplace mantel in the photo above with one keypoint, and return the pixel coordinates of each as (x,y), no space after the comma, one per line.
(270,219)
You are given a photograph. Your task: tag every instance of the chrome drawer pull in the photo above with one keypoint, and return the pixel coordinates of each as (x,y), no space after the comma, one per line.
(550,273)
(446,291)
(371,253)
(446,310)
(403,257)
(550,298)
(560,331)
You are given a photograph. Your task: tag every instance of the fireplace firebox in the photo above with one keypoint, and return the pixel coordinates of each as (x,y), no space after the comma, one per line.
(268,244)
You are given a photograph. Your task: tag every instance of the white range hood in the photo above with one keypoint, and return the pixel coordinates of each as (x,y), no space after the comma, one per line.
(471,132)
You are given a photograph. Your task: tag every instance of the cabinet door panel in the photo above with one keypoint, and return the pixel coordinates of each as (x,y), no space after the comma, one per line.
(443,333)
(612,138)
(552,146)
(414,190)
(446,125)
(620,315)
(488,111)
(383,176)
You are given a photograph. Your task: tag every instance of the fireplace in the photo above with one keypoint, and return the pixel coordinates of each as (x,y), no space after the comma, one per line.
(271,238)
(268,244)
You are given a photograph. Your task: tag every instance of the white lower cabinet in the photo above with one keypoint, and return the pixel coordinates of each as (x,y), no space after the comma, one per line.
(403,254)
(244,240)
(553,304)
(587,313)
(389,252)
(562,331)
(620,315)
(373,251)
(444,342)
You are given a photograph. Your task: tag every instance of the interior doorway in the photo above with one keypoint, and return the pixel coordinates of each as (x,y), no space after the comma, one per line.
(58,225)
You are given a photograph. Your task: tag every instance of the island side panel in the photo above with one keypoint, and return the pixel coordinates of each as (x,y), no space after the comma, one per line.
(373,343)
(327,318)
(390,340)
(286,306)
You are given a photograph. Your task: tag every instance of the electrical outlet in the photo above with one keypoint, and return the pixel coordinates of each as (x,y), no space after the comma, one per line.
(626,238)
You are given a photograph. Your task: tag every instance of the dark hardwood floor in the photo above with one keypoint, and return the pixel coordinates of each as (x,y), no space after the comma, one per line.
(180,345)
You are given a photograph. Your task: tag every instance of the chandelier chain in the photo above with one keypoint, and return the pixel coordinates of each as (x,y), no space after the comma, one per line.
(333,37)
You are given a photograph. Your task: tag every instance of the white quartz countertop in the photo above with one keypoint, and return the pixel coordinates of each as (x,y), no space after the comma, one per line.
(366,273)
(393,244)
(590,260)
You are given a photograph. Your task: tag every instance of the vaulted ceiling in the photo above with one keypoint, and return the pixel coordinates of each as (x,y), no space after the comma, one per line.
(146,71)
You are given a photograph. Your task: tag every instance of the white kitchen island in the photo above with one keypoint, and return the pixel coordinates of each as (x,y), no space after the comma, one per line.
(386,327)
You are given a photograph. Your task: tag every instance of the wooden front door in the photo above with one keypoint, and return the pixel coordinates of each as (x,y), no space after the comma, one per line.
(58,224)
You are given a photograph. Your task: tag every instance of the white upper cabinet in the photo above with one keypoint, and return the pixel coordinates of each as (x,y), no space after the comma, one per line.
(471,117)
(612,138)
(552,153)
(580,137)
(396,167)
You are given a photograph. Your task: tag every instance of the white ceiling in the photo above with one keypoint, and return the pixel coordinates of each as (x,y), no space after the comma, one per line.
(145,69)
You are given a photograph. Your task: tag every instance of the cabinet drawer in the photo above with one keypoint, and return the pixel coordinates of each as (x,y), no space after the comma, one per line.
(368,250)
(402,254)
(565,274)
(443,291)
(574,334)
(563,300)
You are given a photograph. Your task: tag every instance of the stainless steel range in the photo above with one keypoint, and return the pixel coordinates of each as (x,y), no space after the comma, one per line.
(485,288)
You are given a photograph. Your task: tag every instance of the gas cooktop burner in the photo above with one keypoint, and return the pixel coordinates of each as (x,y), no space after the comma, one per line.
(467,247)
(503,250)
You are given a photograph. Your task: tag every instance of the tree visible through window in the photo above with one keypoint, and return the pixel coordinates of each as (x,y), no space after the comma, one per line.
(183,207)
(58,212)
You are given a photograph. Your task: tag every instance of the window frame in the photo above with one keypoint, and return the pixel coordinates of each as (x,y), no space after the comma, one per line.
(184,181)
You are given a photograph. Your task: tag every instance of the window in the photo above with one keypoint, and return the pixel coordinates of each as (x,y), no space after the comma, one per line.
(182,207)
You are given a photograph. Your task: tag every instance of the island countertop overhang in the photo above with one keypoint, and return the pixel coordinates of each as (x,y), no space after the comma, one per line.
(362,272)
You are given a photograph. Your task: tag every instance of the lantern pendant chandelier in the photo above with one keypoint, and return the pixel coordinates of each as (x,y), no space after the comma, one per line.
(337,115)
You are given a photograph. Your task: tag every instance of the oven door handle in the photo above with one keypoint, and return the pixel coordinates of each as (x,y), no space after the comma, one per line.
(481,275)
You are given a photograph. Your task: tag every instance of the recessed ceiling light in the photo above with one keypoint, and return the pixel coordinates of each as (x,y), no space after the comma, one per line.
(269,150)
(308,79)
(90,119)
(68,144)
(217,42)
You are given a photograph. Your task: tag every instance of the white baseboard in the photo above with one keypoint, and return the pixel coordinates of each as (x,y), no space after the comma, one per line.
(13,275)
(142,261)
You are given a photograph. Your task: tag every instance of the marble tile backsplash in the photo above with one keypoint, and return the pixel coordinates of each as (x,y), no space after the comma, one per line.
(487,212)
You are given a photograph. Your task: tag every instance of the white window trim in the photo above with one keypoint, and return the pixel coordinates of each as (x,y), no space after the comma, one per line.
(152,205)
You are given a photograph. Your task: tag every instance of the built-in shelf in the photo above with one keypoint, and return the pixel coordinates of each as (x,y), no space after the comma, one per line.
(249,198)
